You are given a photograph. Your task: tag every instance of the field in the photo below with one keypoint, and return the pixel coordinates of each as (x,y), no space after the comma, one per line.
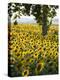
(30,53)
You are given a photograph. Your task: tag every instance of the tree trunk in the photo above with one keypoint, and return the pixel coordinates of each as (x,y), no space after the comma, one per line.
(44,26)
(44,21)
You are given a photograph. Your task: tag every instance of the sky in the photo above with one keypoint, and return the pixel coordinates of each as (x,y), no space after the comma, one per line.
(26,19)
(31,19)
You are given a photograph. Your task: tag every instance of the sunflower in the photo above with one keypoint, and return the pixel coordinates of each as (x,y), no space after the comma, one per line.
(40,49)
(25,72)
(24,53)
(27,60)
(55,54)
(14,49)
(19,55)
(12,60)
(36,55)
(31,60)
(39,67)
(44,54)
(11,33)
(23,61)
(30,50)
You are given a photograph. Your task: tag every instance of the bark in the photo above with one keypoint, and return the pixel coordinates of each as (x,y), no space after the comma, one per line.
(44,26)
(44,22)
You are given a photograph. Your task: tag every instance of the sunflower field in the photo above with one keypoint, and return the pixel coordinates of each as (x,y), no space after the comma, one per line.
(30,53)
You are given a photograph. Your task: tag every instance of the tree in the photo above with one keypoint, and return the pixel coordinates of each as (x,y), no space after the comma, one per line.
(43,13)
(15,8)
